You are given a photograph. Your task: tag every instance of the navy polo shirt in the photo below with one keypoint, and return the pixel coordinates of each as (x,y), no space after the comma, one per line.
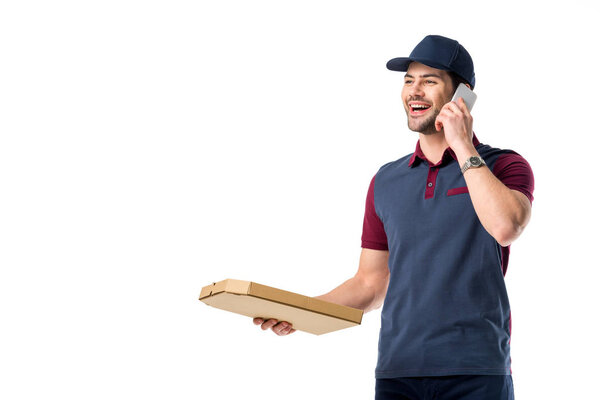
(446,311)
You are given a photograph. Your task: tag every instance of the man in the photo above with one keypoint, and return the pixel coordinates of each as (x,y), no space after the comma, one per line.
(437,229)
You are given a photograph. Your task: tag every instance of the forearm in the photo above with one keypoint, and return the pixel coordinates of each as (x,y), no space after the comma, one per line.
(503,212)
(356,293)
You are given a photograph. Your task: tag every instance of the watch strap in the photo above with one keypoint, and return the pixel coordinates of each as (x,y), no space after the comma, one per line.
(472,162)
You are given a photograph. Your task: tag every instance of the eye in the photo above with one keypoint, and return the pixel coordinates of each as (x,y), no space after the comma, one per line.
(431,82)
(408,82)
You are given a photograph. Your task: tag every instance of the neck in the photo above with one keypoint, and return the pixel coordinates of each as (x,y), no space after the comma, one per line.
(433,146)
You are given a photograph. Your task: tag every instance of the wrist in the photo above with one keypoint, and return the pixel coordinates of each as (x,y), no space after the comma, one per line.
(465,153)
(472,162)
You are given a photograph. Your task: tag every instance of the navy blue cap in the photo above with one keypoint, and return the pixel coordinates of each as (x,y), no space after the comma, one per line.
(441,53)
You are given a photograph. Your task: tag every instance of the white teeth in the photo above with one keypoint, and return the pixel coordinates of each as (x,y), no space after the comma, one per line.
(419,106)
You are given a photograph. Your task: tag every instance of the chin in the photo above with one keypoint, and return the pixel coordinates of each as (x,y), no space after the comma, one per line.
(425,125)
(425,129)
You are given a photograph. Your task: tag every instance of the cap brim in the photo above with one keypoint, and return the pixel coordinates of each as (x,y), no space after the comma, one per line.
(402,63)
(398,64)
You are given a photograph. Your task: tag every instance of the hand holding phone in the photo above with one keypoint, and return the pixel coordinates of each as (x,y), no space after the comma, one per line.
(467,94)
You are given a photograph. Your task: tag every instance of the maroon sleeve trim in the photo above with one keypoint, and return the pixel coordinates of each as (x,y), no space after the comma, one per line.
(373,235)
(515,173)
(374,246)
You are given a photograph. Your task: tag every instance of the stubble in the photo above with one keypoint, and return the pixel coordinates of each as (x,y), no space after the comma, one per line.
(426,125)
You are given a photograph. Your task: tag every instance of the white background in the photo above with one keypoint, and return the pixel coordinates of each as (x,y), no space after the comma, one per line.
(149,148)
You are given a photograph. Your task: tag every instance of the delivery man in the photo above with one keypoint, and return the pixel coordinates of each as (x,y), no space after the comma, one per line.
(437,231)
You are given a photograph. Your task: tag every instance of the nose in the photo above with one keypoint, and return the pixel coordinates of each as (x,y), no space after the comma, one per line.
(416,90)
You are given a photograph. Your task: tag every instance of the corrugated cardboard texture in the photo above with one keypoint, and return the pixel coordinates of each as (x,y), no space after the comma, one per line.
(304,313)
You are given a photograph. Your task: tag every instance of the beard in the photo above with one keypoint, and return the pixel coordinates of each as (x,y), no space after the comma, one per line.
(426,125)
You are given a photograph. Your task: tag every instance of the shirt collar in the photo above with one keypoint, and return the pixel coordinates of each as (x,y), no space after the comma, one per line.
(448,154)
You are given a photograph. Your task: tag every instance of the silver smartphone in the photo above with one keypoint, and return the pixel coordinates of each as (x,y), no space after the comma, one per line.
(467,94)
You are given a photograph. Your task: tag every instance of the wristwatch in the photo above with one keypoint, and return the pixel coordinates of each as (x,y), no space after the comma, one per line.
(472,162)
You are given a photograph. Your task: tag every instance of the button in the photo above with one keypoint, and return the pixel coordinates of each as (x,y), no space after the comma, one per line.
(429,184)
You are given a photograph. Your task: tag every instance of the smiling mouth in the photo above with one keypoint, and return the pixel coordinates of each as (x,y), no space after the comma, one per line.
(418,108)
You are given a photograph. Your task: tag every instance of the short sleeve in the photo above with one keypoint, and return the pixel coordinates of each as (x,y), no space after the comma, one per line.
(515,173)
(373,236)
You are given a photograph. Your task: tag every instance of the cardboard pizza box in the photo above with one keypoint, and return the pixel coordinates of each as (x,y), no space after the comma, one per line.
(304,313)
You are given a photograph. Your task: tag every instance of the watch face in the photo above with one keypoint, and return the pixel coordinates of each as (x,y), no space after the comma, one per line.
(475,161)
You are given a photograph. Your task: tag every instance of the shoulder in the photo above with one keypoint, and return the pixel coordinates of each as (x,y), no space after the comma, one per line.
(499,158)
(511,168)
(397,165)
(488,152)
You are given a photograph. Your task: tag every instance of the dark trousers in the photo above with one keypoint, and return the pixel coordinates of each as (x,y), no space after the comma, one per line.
(458,387)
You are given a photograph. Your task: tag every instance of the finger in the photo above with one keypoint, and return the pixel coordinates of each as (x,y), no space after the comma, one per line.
(449,109)
(454,106)
(462,105)
(281,328)
(290,330)
(269,324)
(287,330)
(284,332)
(439,122)
(442,117)
(258,321)
(459,106)
(438,125)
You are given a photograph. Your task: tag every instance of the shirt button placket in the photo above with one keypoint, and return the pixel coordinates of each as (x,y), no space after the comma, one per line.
(431,179)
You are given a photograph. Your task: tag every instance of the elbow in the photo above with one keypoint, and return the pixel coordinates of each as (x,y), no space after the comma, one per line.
(377,302)
(506,237)
(377,291)
(508,233)
(510,227)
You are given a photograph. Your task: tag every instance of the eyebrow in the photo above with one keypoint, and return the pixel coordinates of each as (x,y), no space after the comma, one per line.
(424,76)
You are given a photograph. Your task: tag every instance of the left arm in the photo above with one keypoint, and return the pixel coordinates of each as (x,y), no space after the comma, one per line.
(504,213)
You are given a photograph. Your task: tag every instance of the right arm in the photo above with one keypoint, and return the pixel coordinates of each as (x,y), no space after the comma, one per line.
(365,290)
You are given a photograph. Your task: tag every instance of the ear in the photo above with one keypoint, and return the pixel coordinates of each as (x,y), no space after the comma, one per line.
(469,86)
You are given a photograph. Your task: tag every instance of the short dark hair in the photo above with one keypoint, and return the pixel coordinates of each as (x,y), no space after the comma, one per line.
(457,80)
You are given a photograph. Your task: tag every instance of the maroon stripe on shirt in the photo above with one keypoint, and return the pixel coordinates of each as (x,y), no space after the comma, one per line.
(373,236)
